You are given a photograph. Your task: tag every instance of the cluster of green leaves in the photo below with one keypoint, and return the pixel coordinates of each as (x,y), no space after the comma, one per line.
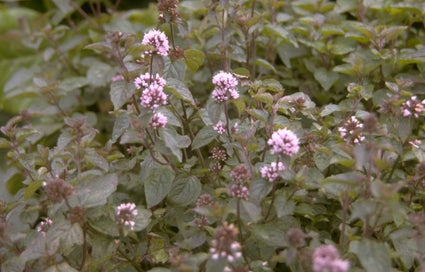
(305,65)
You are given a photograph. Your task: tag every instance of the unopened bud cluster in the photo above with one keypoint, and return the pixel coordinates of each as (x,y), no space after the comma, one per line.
(57,189)
(240,175)
(352,130)
(167,10)
(218,153)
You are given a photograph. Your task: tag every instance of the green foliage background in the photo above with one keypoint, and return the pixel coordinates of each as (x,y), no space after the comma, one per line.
(305,65)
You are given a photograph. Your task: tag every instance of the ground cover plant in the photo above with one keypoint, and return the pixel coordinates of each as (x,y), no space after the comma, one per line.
(212,135)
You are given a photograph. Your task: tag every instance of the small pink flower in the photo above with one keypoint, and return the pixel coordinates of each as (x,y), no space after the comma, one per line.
(413,106)
(153,96)
(143,81)
(125,214)
(44,226)
(219,128)
(415,143)
(271,173)
(157,39)
(117,78)
(158,120)
(326,259)
(284,141)
(235,128)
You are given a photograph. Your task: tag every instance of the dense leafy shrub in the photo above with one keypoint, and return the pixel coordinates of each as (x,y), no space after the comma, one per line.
(206,135)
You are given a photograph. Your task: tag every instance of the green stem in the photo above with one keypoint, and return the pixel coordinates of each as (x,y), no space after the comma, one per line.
(271,204)
(241,238)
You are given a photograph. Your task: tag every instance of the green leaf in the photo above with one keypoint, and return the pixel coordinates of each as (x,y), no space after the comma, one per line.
(120,93)
(174,69)
(157,249)
(14,183)
(280,32)
(322,158)
(63,267)
(142,219)
(193,58)
(91,156)
(72,83)
(259,189)
(373,256)
(264,63)
(99,47)
(271,234)
(94,192)
(14,264)
(283,207)
(250,212)
(204,136)
(121,124)
(179,90)
(158,184)
(404,245)
(325,78)
(174,141)
(264,97)
(159,269)
(99,74)
(31,189)
(185,190)
(4,143)
(336,184)
(329,109)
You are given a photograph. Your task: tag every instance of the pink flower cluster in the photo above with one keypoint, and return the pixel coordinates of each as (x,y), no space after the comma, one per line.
(284,141)
(351,130)
(143,81)
(326,259)
(413,106)
(153,95)
(225,87)
(219,128)
(125,214)
(271,173)
(239,191)
(158,120)
(225,245)
(157,39)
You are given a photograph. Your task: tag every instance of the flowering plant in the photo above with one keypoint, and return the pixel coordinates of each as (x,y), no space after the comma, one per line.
(204,135)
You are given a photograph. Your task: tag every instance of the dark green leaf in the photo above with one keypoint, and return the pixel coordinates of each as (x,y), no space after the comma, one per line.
(179,90)
(120,93)
(158,184)
(193,58)
(373,256)
(95,191)
(185,190)
(174,141)
(204,136)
